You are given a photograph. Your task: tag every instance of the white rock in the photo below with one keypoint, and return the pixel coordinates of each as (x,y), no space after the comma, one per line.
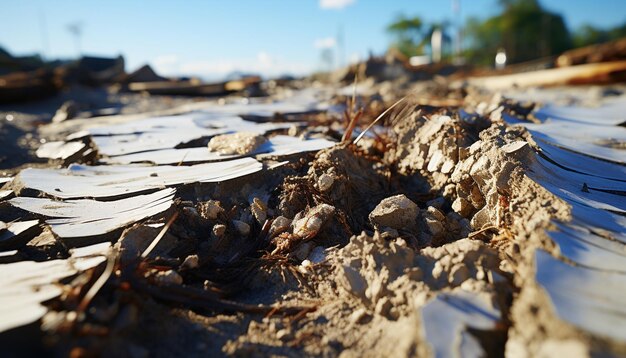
(242,228)
(325,182)
(396,212)
(190,262)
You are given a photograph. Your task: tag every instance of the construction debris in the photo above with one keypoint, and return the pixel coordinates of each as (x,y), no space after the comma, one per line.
(461,222)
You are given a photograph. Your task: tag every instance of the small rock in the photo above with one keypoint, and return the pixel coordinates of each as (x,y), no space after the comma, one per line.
(259,210)
(240,143)
(462,206)
(435,213)
(434,226)
(396,212)
(190,262)
(309,224)
(447,166)
(325,182)
(435,161)
(305,267)
(242,228)
(169,277)
(218,230)
(383,306)
(359,316)
(210,209)
(279,225)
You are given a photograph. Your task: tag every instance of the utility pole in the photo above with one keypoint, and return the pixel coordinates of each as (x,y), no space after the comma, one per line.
(45,45)
(76,29)
(458,46)
(341,54)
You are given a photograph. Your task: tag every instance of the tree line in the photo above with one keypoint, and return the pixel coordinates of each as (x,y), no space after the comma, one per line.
(524,29)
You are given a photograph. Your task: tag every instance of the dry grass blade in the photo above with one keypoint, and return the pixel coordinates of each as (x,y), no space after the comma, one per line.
(93,290)
(159,236)
(378,118)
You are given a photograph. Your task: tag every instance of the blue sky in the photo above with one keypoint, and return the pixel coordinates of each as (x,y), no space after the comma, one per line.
(212,38)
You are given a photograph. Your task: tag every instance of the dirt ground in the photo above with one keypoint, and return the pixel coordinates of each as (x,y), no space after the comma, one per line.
(350,251)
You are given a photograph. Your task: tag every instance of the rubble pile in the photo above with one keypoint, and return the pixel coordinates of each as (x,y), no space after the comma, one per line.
(488,230)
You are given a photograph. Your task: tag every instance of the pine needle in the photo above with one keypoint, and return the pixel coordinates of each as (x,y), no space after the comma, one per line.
(159,236)
(378,118)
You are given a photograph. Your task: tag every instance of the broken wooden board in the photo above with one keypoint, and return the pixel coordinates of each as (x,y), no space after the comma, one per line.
(279,145)
(60,150)
(18,233)
(583,189)
(589,250)
(589,73)
(27,284)
(611,112)
(447,318)
(592,300)
(603,142)
(304,101)
(86,217)
(82,181)
(581,163)
(599,221)
(169,132)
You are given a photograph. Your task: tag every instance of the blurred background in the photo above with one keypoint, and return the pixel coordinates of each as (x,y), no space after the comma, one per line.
(217,40)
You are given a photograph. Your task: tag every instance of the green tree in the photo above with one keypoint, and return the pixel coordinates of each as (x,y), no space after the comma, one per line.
(589,35)
(409,35)
(412,35)
(524,29)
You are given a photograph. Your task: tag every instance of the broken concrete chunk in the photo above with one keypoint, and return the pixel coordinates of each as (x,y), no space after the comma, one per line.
(211,209)
(218,230)
(397,212)
(307,225)
(462,206)
(325,182)
(241,143)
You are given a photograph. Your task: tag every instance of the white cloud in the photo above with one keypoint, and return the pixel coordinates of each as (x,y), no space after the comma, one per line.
(335,4)
(327,42)
(263,63)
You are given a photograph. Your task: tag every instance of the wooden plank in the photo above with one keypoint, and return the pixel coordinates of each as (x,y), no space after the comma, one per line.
(582,163)
(168,132)
(25,285)
(86,217)
(589,250)
(17,234)
(277,146)
(590,299)
(83,181)
(589,73)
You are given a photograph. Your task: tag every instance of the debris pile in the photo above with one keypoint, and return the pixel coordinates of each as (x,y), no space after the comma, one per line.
(478,224)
